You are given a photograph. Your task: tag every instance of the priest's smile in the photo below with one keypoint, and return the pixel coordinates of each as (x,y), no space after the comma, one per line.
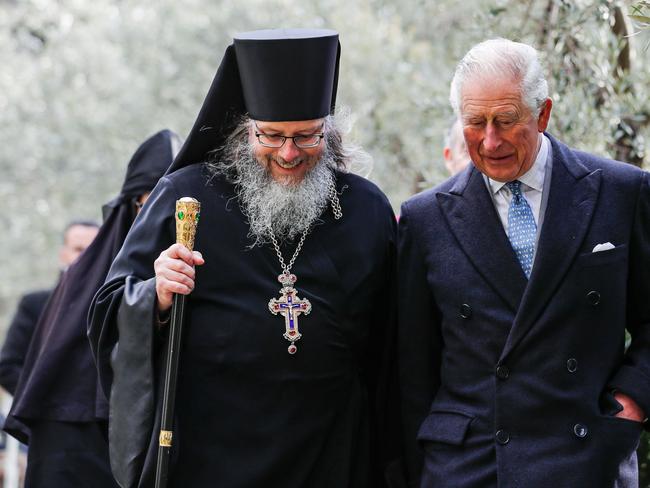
(287,164)
(288,149)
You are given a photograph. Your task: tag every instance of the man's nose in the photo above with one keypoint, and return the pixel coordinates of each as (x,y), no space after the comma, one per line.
(289,151)
(492,139)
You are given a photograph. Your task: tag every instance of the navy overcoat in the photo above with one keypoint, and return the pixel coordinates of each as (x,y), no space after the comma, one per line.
(508,382)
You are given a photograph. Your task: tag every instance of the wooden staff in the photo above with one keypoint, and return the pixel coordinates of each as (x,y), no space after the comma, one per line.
(187,218)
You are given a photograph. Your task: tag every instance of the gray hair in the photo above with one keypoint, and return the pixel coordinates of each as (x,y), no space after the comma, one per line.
(497,58)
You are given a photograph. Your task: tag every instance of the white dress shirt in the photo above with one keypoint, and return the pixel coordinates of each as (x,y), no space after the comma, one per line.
(532,187)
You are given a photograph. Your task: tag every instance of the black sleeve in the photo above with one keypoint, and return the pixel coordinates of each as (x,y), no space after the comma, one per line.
(123,336)
(633,377)
(19,335)
(419,343)
(382,363)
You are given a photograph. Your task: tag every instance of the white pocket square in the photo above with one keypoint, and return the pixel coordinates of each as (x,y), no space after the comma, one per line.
(603,247)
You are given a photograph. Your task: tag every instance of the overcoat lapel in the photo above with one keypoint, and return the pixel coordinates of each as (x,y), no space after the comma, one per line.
(473,220)
(572,198)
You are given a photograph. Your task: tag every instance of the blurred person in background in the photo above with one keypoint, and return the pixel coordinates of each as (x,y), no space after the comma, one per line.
(77,236)
(455,152)
(59,409)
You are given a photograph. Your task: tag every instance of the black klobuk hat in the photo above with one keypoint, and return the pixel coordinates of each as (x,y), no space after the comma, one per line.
(270,75)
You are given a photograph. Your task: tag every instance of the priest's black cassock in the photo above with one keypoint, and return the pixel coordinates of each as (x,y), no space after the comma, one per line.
(248,413)
(59,408)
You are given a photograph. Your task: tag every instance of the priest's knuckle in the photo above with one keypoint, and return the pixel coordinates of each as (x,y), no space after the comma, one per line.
(180,277)
(171,252)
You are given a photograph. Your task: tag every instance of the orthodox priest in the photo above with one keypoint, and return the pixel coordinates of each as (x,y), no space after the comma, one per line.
(284,355)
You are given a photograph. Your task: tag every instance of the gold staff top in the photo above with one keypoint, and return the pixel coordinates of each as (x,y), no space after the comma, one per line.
(188,211)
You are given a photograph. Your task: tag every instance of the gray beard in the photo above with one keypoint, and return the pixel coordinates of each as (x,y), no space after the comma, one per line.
(279,208)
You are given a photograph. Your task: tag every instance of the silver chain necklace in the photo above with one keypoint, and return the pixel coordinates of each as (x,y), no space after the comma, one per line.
(289,305)
(334,200)
(286,268)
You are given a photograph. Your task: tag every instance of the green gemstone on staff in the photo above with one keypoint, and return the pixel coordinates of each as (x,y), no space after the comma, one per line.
(181,215)
(198,215)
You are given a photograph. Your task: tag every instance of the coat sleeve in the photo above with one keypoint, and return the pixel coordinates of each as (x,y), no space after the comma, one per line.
(633,377)
(19,335)
(382,370)
(419,342)
(123,337)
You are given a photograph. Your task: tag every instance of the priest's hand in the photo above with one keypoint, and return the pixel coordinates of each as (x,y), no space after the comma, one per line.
(174,270)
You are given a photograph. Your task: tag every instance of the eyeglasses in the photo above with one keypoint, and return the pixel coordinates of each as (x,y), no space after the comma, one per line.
(278,140)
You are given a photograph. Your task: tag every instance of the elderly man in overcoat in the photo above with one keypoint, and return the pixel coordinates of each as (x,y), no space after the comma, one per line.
(518,280)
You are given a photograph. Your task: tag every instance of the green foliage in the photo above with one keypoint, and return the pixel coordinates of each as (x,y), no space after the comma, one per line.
(641,13)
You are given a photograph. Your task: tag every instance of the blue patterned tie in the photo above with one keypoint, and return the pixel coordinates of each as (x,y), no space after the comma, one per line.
(522,229)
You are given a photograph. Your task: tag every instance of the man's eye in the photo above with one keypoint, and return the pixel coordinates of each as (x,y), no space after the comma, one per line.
(310,139)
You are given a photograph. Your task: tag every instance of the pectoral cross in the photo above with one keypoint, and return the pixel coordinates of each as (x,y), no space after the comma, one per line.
(290,307)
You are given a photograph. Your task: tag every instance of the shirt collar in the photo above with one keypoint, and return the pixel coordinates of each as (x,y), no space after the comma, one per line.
(534,177)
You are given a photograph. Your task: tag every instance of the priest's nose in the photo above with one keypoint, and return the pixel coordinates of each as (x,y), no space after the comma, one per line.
(289,151)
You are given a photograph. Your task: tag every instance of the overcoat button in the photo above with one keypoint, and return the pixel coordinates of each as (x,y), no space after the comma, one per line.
(572,365)
(502,437)
(580,430)
(593,297)
(465,311)
(503,372)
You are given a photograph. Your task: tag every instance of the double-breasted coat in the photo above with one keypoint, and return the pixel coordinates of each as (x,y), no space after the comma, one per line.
(506,381)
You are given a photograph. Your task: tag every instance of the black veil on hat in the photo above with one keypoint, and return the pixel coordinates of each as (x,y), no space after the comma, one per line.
(271,75)
(59,379)
(147,165)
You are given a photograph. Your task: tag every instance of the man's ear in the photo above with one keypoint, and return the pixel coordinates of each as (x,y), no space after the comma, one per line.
(544,115)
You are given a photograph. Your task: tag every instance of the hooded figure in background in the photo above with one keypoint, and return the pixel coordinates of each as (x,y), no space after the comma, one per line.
(77,236)
(59,408)
(283,362)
